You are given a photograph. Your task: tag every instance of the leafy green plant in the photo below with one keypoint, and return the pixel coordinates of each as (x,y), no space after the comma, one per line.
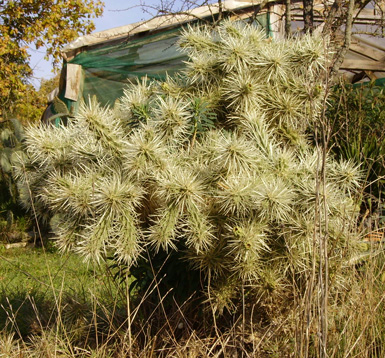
(357,114)
(11,137)
(14,219)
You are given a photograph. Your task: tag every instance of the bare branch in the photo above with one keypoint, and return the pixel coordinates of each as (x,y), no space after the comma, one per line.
(338,59)
(287,18)
(308,16)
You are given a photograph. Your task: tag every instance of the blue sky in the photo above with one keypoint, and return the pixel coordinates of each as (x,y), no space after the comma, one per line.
(116,13)
(122,12)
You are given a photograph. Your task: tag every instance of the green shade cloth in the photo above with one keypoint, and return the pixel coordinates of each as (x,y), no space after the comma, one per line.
(107,68)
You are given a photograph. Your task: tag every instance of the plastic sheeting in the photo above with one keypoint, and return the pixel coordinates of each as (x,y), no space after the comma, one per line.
(106,69)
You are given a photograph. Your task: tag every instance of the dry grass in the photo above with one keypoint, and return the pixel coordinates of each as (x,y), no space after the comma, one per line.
(98,327)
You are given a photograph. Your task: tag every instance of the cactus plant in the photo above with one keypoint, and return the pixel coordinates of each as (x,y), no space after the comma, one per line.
(214,163)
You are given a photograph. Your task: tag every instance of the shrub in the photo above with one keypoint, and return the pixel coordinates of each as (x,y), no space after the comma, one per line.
(14,221)
(357,117)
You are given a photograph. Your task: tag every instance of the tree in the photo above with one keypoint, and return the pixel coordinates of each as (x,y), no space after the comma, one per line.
(43,23)
(34,101)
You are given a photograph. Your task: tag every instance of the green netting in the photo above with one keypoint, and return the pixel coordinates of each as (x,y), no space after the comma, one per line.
(369,89)
(107,69)
(380,82)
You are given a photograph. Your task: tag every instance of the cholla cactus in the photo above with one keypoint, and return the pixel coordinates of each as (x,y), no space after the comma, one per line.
(214,163)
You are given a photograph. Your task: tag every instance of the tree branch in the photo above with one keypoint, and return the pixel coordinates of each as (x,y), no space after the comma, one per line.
(339,58)
(308,16)
(287,18)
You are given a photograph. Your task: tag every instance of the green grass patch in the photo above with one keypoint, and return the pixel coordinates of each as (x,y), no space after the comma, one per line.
(38,285)
(33,269)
